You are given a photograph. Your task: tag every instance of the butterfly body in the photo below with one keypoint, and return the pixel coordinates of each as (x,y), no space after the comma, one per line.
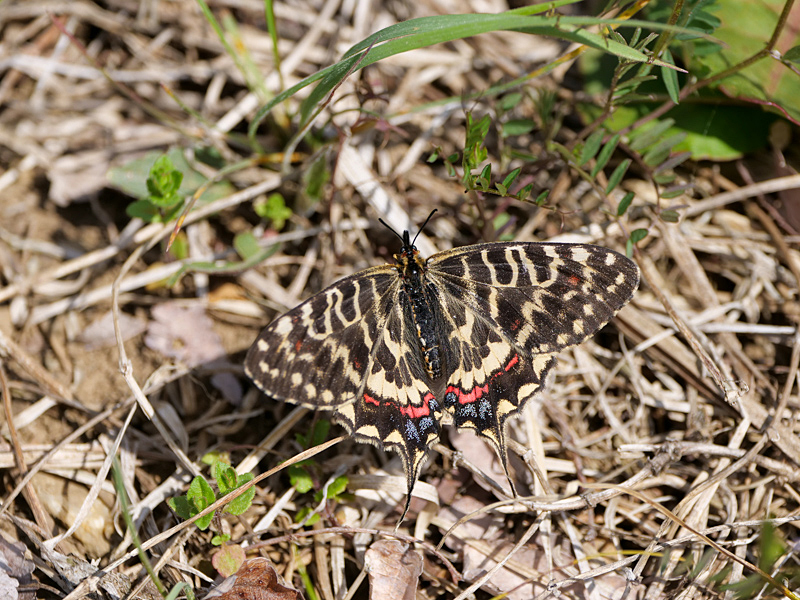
(471,332)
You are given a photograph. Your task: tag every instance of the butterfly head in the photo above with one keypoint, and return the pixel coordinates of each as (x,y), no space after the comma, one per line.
(408,259)
(408,255)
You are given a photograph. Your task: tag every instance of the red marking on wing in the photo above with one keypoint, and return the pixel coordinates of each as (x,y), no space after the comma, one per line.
(464,398)
(414,412)
(297,345)
(574,280)
(411,411)
(511,363)
(479,390)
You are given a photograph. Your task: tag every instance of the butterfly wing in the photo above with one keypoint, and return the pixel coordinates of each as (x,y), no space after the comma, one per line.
(512,307)
(397,407)
(352,349)
(318,353)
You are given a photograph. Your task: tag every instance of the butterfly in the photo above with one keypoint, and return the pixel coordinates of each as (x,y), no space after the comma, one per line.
(471,331)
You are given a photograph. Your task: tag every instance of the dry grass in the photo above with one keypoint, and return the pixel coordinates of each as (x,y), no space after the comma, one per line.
(647,467)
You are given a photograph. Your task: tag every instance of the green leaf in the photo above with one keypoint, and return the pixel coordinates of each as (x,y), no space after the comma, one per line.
(637,235)
(541,199)
(502,189)
(274,207)
(246,245)
(710,135)
(664,178)
(617,175)
(300,479)
(181,588)
(163,183)
(181,507)
(511,177)
(605,154)
(320,432)
(673,162)
(301,515)
(315,178)
(228,559)
(180,247)
(656,157)
(144,210)
(591,147)
(486,176)
(669,216)
(225,476)
(337,487)
(425,32)
(633,83)
(514,127)
(525,192)
(201,496)
(771,547)
(474,150)
(220,539)
(617,36)
(214,456)
(131,177)
(240,504)
(667,143)
(670,78)
(792,55)
(625,203)
(745,28)
(510,101)
(648,135)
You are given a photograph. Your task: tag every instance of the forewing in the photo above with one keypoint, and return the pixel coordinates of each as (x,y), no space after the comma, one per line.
(541,297)
(319,353)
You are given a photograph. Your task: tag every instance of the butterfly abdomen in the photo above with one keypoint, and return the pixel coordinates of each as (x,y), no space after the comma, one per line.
(420,301)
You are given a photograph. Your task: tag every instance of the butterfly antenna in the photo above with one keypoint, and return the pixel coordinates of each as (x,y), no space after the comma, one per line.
(423,225)
(390,228)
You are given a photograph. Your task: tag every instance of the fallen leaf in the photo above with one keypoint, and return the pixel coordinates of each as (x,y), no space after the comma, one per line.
(394,569)
(255,580)
(483,457)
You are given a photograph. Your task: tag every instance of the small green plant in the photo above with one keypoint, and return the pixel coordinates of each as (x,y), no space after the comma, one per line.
(473,156)
(273,209)
(302,479)
(335,491)
(163,202)
(773,559)
(201,495)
